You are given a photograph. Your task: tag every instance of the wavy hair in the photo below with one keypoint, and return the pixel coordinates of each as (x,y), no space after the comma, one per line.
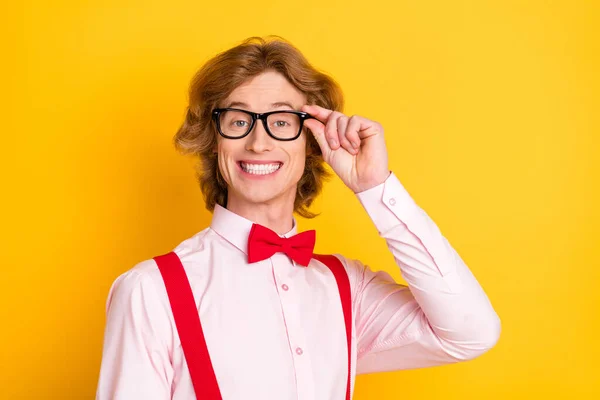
(215,81)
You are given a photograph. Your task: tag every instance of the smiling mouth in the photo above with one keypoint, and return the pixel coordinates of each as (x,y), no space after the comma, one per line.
(260,169)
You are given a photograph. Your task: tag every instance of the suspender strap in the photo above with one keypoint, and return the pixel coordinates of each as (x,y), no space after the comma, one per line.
(341,277)
(187,320)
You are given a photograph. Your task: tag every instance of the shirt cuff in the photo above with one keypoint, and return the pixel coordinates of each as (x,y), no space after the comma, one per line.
(388,204)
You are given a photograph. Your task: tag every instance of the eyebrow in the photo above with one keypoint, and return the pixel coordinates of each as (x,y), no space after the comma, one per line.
(277,104)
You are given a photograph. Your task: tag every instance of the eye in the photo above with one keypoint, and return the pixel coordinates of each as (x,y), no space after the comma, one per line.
(239,123)
(280,124)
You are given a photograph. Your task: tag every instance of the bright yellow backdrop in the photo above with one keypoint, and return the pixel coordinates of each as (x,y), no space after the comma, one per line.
(491,116)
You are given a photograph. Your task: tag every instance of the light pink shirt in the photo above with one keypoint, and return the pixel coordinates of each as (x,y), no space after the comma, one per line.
(275,330)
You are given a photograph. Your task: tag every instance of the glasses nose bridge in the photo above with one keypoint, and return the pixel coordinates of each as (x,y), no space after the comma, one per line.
(259,141)
(262,118)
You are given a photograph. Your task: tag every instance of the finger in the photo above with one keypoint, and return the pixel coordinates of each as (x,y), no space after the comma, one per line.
(342,123)
(367,127)
(317,128)
(320,113)
(352,130)
(331,131)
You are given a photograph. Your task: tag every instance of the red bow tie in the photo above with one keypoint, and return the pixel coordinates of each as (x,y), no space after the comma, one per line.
(263,243)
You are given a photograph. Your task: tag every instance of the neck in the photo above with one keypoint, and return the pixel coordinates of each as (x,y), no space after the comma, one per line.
(277,216)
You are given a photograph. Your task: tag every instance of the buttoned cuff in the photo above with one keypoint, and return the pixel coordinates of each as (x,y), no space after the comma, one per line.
(388,204)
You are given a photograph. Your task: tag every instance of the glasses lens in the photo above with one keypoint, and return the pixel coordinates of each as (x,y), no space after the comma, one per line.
(235,123)
(284,125)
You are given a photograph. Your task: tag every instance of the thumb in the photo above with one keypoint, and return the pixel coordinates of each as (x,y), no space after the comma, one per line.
(318,130)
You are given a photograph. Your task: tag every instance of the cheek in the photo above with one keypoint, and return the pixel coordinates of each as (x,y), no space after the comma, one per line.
(298,155)
(225,159)
(223,167)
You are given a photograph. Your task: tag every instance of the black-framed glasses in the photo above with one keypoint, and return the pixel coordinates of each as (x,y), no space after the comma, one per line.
(234,123)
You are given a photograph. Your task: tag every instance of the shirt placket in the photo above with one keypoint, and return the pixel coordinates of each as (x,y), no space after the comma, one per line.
(289,296)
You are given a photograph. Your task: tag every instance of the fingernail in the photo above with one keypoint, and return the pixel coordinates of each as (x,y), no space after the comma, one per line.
(355,145)
(334,142)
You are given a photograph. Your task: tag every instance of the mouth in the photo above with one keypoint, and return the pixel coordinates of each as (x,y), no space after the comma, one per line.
(260,168)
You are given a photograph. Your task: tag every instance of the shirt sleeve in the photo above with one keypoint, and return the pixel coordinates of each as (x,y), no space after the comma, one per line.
(442,316)
(135,357)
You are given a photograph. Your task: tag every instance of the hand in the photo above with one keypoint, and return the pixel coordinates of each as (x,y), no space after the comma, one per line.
(354,147)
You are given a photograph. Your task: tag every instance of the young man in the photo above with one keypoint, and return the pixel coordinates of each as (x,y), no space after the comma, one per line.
(276,321)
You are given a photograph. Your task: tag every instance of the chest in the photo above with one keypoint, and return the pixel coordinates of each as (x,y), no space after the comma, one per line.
(272,329)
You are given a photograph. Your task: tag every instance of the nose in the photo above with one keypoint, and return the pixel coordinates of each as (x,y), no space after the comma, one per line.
(258,140)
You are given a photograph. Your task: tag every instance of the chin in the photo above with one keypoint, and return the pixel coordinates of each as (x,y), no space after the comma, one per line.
(261,194)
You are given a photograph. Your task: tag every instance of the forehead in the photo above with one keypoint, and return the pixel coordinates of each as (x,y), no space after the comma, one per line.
(265,92)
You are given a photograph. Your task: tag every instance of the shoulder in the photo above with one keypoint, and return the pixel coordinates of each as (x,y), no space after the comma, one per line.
(143,281)
(196,244)
(361,274)
(136,286)
(138,306)
(354,269)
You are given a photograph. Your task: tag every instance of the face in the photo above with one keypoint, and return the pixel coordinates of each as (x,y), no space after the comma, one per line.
(258,169)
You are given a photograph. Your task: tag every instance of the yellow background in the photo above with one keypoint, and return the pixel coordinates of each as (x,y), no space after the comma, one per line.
(491,116)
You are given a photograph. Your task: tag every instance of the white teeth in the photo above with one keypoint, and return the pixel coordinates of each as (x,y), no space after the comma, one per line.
(260,169)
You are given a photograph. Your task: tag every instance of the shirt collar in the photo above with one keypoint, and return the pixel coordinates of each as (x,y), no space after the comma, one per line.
(235,228)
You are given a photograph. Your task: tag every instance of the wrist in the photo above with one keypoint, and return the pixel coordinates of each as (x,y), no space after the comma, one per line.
(363,187)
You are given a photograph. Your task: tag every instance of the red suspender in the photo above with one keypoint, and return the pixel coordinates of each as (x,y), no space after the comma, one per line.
(189,328)
(187,320)
(341,277)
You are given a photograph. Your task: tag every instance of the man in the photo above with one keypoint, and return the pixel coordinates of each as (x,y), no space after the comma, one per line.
(268,319)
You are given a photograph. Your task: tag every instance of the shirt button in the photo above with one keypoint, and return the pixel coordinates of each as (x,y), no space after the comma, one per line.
(392,201)
(299,351)
(285,287)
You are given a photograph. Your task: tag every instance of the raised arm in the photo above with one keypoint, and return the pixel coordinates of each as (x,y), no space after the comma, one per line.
(443,316)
